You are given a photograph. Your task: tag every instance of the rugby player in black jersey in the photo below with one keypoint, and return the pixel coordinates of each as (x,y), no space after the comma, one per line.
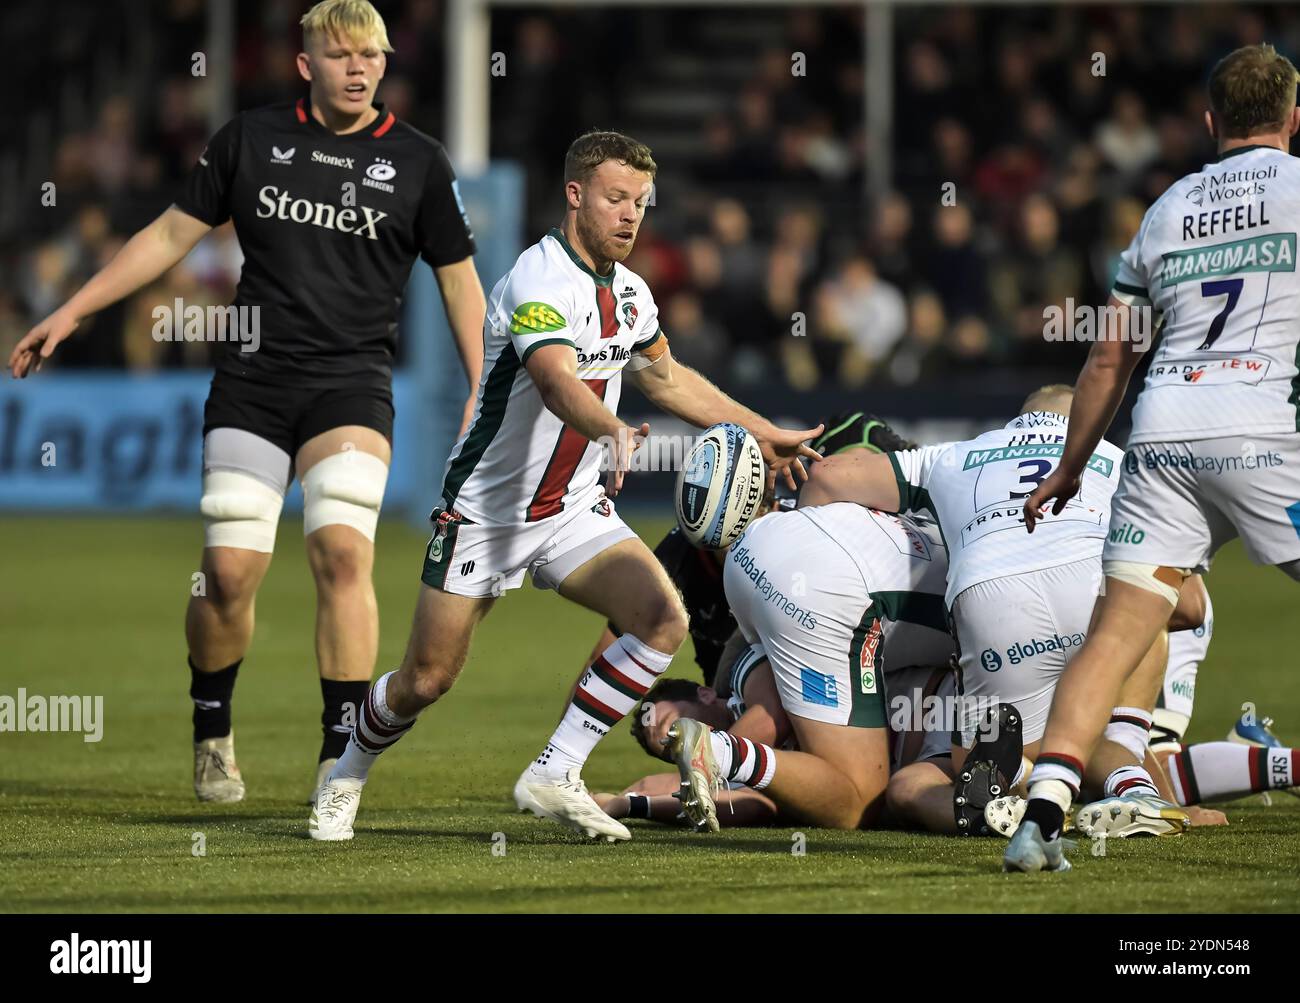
(332,200)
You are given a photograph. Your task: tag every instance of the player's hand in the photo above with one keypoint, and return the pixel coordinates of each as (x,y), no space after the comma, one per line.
(39,343)
(1205,816)
(625,444)
(1059,485)
(783,449)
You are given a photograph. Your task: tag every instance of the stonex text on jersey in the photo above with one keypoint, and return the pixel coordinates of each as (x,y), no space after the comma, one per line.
(1215,259)
(330,226)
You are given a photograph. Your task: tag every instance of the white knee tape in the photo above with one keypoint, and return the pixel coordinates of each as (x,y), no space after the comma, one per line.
(345,489)
(1167,729)
(239,511)
(1143,576)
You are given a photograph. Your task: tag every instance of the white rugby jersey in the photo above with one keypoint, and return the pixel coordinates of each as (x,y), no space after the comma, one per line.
(517,462)
(1216,258)
(977,491)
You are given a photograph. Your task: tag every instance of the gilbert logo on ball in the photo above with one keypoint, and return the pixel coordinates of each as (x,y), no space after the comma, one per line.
(720,486)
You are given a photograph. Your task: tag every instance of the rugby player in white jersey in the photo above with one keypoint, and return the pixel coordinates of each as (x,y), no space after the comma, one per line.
(1020,607)
(522,490)
(832,598)
(1214,451)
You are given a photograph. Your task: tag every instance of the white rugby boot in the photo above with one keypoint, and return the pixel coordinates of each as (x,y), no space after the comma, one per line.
(335,809)
(1131,815)
(689,746)
(1003,815)
(322,774)
(567,802)
(1028,851)
(216,774)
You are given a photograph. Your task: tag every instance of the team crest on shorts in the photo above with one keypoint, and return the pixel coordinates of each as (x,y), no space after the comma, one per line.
(442,523)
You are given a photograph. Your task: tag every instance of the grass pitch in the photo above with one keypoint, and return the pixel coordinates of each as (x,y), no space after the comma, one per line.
(94,606)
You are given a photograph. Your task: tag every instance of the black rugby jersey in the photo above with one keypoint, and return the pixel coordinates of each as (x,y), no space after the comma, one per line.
(698,576)
(326,263)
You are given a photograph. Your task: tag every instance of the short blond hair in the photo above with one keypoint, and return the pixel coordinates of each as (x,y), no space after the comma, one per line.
(354,20)
(1054,397)
(1252,91)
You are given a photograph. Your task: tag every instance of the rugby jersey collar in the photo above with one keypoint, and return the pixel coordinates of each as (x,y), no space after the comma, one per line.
(600,280)
(1247,149)
(382,123)
(1032,419)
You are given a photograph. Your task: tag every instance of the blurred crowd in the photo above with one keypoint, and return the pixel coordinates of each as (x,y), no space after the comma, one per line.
(1026,146)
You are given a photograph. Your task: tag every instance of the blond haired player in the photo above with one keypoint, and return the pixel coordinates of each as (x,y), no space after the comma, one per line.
(522,488)
(1215,447)
(314,399)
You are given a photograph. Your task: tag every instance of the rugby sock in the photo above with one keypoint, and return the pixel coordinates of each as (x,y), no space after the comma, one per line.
(343,699)
(613,684)
(638,806)
(377,728)
(1129,780)
(212,693)
(1130,727)
(1053,785)
(743,761)
(1217,771)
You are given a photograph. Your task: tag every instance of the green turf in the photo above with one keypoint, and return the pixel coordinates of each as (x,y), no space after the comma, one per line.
(95,606)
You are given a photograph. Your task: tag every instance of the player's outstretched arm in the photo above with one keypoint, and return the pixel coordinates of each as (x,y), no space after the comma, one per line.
(462,298)
(141,260)
(554,370)
(857,476)
(684,393)
(1097,396)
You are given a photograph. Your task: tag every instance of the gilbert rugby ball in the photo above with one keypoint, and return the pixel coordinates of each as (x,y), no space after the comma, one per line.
(720,486)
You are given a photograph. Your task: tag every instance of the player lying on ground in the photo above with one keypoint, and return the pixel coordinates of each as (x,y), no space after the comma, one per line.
(311,397)
(1214,452)
(1252,760)
(746,704)
(923,796)
(833,596)
(1014,601)
(522,488)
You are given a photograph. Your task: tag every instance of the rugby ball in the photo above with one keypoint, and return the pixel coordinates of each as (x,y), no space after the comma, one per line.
(720,486)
